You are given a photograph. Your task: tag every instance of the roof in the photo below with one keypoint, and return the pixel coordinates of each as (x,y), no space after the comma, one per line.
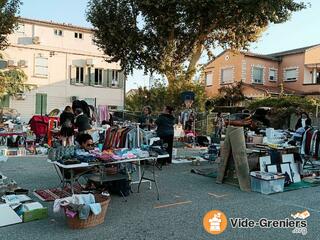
(267,57)
(272,90)
(273,56)
(293,51)
(55,24)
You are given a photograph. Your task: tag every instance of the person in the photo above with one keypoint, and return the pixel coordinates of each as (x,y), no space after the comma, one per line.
(145,119)
(67,125)
(303,121)
(219,121)
(165,131)
(82,122)
(86,142)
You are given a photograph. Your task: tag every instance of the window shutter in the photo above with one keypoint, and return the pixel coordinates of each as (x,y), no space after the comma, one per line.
(85,77)
(105,80)
(88,76)
(110,77)
(121,79)
(72,75)
(5,101)
(44,103)
(38,103)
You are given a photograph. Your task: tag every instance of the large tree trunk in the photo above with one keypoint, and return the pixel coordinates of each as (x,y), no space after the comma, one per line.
(194,59)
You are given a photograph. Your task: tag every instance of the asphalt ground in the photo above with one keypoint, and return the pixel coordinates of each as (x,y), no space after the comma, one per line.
(185,199)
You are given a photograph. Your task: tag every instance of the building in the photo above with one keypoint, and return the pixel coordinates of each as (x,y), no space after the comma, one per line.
(295,71)
(64,64)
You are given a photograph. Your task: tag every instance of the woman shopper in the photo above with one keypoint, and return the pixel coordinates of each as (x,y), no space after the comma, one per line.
(165,131)
(145,119)
(67,125)
(303,121)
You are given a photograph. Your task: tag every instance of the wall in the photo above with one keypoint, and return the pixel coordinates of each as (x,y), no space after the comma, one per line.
(266,65)
(304,76)
(227,59)
(312,55)
(62,52)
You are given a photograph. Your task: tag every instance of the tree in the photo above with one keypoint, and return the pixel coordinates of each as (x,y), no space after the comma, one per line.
(12,81)
(170,36)
(8,19)
(160,96)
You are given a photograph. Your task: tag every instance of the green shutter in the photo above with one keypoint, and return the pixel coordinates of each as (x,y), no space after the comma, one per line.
(72,75)
(44,103)
(85,77)
(38,103)
(110,77)
(5,101)
(105,78)
(41,98)
(121,79)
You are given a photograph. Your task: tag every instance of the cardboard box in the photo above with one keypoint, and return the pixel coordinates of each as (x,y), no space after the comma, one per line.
(36,214)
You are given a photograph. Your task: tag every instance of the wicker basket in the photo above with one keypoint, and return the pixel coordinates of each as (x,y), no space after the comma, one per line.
(93,220)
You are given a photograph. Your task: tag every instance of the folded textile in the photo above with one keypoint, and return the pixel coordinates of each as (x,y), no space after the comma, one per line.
(95,208)
(58,203)
(70,213)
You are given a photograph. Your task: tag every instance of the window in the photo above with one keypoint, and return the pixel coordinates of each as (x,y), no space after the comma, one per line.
(98,77)
(41,103)
(291,74)
(257,75)
(41,66)
(78,35)
(58,32)
(272,75)
(115,78)
(226,75)
(209,79)
(79,75)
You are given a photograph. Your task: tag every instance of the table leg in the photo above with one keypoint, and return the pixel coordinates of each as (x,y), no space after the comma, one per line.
(72,180)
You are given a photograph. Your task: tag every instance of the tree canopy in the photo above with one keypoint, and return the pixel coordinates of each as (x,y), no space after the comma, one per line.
(8,19)
(12,81)
(169,36)
(159,96)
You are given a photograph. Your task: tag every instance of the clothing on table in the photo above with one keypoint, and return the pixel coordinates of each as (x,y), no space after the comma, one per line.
(82,122)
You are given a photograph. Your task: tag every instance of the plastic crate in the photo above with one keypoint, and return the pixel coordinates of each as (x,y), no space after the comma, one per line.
(267,186)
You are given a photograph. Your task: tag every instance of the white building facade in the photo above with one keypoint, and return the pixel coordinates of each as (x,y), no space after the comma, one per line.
(64,64)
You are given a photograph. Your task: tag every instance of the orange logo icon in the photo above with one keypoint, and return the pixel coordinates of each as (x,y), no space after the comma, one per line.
(215,222)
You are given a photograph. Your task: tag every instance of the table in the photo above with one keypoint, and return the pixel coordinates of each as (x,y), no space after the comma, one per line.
(70,167)
(103,178)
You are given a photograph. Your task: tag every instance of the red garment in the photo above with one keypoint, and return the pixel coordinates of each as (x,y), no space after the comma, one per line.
(308,142)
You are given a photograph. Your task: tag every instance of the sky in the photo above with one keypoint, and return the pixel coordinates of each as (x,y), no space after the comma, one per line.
(301,30)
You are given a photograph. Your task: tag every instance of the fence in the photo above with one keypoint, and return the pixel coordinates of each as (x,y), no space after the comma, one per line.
(205,122)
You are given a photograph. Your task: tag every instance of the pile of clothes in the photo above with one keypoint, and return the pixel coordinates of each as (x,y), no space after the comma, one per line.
(80,205)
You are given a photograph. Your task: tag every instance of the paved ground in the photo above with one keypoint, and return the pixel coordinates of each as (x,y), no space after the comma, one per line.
(141,217)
